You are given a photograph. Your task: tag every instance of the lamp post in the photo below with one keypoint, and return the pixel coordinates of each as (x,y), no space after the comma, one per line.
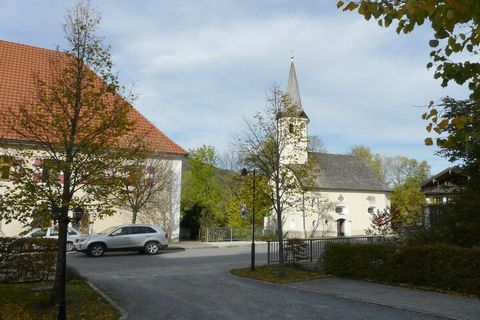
(78,213)
(245,173)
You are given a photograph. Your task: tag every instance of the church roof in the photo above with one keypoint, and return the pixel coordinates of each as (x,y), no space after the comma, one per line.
(20,63)
(345,172)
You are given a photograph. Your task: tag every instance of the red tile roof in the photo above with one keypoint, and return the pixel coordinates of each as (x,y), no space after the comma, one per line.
(20,63)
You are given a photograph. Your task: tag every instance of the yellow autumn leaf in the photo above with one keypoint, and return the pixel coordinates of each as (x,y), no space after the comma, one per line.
(351,6)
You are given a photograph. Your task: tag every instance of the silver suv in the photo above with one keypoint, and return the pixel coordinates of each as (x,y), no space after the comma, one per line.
(146,238)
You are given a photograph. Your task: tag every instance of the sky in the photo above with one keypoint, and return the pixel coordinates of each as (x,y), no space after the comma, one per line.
(200,68)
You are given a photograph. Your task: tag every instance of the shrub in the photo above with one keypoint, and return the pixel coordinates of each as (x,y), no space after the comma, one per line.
(441,267)
(27,259)
(297,249)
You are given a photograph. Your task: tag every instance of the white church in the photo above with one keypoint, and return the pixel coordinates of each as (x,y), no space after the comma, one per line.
(344,194)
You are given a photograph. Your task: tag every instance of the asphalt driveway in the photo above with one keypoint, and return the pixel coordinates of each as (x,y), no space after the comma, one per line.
(196,284)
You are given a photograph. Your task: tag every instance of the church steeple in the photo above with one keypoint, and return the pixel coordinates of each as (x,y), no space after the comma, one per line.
(293,123)
(292,87)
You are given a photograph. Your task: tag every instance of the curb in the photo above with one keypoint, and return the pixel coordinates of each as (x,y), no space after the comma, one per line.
(123,313)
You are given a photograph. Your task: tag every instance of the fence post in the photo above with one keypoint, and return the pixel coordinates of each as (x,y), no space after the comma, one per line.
(207,234)
(268,252)
(231,234)
(311,250)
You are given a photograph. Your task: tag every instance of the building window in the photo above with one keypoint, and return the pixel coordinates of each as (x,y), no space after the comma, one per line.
(6,163)
(341,209)
(290,128)
(372,210)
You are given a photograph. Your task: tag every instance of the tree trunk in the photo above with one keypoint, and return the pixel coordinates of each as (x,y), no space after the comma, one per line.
(281,266)
(134,216)
(59,282)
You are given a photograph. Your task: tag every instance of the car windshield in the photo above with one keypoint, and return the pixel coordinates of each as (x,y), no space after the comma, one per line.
(108,230)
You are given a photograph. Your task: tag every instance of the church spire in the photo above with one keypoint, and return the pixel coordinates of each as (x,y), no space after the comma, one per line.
(292,87)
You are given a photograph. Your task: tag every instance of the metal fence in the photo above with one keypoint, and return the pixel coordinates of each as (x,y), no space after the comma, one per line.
(236,234)
(315,248)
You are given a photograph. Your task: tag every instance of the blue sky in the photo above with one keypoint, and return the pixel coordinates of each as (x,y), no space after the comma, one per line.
(201,67)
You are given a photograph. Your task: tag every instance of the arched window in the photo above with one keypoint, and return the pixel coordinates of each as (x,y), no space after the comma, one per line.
(290,128)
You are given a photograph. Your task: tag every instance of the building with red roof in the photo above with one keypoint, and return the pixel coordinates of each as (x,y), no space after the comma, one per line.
(20,65)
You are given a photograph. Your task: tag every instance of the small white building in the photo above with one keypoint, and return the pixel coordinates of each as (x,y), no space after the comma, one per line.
(19,64)
(345,191)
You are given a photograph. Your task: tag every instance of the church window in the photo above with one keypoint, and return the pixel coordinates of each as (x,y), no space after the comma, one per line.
(372,210)
(341,209)
(290,128)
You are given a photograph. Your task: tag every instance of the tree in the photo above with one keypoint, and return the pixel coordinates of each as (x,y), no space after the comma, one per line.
(201,190)
(78,122)
(266,145)
(400,169)
(373,160)
(316,144)
(146,177)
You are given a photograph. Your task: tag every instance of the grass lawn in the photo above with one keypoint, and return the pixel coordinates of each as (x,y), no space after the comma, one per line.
(269,273)
(20,302)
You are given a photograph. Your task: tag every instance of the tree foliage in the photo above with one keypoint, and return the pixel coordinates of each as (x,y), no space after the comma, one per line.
(373,160)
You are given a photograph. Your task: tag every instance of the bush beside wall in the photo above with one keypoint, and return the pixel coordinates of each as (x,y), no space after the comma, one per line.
(441,267)
(27,259)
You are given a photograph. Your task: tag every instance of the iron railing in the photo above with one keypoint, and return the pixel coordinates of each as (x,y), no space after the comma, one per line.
(315,248)
(236,234)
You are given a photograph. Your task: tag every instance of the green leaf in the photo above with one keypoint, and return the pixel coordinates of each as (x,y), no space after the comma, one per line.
(429,65)
(340,4)
(428,141)
(433,43)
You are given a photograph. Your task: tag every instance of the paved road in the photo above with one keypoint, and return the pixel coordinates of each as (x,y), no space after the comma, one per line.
(195,284)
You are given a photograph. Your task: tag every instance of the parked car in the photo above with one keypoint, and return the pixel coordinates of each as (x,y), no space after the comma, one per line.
(52,232)
(145,238)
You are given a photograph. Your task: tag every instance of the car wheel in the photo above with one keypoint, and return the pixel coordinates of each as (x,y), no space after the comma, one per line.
(151,248)
(96,250)
(69,246)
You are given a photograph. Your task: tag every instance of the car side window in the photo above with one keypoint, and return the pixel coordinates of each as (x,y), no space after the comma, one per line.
(138,230)
(53,232)
(39,233)
(150,230)
(72,232)
(118,232)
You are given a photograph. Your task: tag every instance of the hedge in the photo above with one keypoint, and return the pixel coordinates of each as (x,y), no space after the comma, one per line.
(27,259)
(441,267)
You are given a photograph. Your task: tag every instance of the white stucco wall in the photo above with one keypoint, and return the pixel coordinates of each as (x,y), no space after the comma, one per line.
(167,215)
(320,210)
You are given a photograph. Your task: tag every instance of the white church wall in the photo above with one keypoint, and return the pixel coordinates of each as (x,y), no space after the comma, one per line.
(321,216)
